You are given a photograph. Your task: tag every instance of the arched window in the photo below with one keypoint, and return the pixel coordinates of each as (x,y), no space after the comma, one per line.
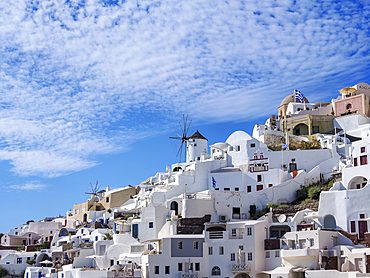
(349,106)
(174,206)
(216,271)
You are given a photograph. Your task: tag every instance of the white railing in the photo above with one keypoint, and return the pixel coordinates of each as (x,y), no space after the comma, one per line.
(235,236)
(241,267)
(189,275)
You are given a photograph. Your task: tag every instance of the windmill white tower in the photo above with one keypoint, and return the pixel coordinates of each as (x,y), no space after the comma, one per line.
(197,145)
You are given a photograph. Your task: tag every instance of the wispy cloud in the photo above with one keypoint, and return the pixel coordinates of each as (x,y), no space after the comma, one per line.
(83,78)
(27,186)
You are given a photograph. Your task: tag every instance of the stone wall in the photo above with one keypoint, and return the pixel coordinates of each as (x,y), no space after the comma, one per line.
(192,225)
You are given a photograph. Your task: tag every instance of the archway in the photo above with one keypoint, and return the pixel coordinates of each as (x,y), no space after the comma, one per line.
(85,218)
(278,231)
(42,257)
(357,182)
(329,222)
(175,206)
(242,275)
(301,129)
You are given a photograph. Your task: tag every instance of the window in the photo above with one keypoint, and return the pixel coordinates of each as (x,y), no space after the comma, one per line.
(221,250)
(216,271)
(150,225)
(233,232)
(179,245)
(19,260)
(355,161)
(195,245)
(51,232)
(195,144)
(277,253)
(111,262)
(238,148)
(353,226)
(362,149)
(362,216)
(363,160)
(249,188)
(210,251)
(236,188)
(197,266)
(259,187)
(267,255)
(232,257)
(259,178)
(312,242)
(253,145)
(231,148)
(227,189)
(179,266)
(249,231)
(107,199)
(167,269)
(270,184)
(250,256)
(241,247)
(315,129)
(349,106)
(156,269)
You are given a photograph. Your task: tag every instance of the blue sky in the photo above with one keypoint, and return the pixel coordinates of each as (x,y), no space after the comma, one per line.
(91,90)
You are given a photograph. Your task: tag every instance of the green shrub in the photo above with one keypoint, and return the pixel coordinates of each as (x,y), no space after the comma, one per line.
(313,192)
(272,205)
(301,194)
(3,272)
(283,206)
(331,183)
(307,201)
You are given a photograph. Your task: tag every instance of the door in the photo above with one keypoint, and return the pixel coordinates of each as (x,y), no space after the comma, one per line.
(236,213)
(292,167)
(362,229)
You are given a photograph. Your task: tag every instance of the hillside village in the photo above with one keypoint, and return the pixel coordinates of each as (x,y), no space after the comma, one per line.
(290,200)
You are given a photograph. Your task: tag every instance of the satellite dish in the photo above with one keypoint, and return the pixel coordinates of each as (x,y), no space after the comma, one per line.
(290,219)
(282,218)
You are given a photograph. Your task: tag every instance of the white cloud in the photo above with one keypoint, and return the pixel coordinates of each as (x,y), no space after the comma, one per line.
(28,186)
(83,78)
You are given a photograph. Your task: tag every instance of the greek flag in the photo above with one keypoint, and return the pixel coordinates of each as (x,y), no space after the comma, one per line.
(285,146)
(299,95)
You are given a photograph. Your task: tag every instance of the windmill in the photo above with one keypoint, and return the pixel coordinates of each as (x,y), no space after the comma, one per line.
(94,190)
(184,137)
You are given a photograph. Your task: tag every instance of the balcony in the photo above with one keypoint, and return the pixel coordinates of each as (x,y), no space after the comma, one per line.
(189,275)
(299,252)
(241,267)
(235,236)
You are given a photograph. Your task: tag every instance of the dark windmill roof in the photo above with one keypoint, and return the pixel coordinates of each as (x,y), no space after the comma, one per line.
(197,135)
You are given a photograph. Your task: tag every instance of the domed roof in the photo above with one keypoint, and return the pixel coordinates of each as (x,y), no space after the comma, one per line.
(197,135)
(291,98)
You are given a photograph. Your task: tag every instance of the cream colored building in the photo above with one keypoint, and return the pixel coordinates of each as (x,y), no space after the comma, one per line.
(105,200)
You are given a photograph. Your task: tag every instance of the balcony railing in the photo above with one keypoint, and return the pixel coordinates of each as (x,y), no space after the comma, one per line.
(235,236)
(189,275)
(241,267)
(216,235)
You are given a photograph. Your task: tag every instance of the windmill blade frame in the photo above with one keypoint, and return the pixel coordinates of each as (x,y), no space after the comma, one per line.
(184,137)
